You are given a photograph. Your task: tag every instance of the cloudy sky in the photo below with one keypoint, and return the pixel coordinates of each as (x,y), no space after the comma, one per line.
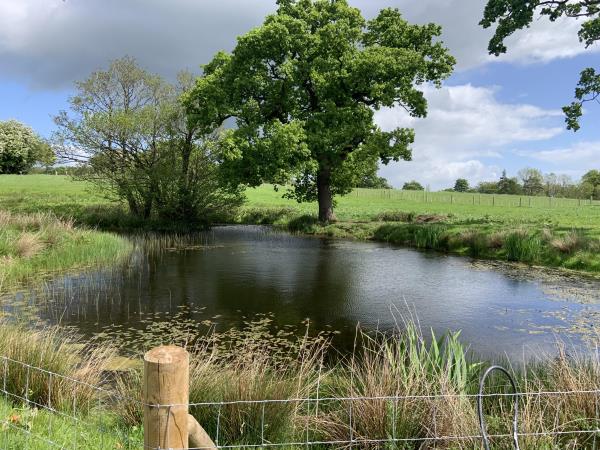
(492,114)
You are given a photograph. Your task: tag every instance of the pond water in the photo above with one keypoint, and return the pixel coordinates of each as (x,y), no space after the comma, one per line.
(231,274)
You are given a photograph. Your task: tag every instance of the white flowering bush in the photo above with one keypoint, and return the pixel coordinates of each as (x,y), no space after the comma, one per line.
(21,148)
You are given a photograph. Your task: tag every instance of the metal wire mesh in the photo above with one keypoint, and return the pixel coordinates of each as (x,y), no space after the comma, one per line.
(326,422)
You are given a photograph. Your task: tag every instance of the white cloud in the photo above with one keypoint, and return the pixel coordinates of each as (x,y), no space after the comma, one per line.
(546,41)
(578,158)
(465,124)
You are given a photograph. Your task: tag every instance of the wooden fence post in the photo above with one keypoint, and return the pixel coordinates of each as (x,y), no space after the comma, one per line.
(166,382)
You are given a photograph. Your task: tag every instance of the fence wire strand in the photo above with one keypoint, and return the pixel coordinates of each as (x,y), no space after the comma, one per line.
(265,411)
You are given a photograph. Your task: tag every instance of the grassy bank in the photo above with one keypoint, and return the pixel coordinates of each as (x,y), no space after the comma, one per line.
(256,363)
(39,244)
(534,230)
(81,418)
(551,232)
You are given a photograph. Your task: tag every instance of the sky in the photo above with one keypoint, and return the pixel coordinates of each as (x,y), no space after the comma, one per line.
(491,114)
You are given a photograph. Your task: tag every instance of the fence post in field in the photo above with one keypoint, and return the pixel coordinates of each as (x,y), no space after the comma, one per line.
(166,397)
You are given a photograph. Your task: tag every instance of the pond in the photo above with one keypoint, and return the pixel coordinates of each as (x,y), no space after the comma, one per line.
(229,275)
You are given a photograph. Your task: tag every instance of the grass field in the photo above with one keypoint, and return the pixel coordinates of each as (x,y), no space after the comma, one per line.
(536,230)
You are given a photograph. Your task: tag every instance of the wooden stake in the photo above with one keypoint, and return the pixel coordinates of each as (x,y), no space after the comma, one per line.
(198,437)
(166,382)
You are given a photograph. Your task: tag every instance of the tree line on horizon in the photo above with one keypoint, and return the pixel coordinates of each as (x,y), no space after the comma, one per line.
(530,182)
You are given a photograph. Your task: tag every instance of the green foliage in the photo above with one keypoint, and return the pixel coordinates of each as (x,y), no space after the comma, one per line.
(508,185)
(303,88)
(587,90)
(133,136)
(533,181)
(413,186)
(33,246)
(372,181)
(461,185)
(21,148)
(511,15)
(592,177)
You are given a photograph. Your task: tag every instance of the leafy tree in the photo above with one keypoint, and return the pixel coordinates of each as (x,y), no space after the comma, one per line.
(303,88)
(413,186)
(130,129)
(508,185)
(374,182)
(591,182)
(487,187)
(592,177)
(371,180)
(533,181)
(461,185)
(21,148)
(513,15)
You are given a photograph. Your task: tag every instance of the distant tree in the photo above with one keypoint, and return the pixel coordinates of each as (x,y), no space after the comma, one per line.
(513,15)
(591,182)
(21,148)
(592,177)
(487,187)
(533,181)
(413,186)
(303,89)
(508,185)
(371,181)
(461,185)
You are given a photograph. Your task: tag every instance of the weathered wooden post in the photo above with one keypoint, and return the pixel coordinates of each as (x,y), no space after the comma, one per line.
(166,397)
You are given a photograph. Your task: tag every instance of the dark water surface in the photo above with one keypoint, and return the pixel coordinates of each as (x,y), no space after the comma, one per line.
(238,272)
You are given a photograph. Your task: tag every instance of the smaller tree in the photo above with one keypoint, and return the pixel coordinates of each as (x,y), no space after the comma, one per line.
(508,185)
(533,181)
(370,179)
(413,186)
(21,148)
(461,185)
(487,187)
(591,184)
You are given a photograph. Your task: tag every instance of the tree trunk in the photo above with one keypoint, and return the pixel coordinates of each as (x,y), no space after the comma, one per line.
(324,195)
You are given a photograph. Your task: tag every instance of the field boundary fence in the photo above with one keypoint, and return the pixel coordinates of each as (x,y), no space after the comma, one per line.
(171,421)
(474,199)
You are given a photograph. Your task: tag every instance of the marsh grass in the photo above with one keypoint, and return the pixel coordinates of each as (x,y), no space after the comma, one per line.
(35,245)
(427,384)
(522,246)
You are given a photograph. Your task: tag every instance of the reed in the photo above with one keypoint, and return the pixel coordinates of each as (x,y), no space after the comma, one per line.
(32,246)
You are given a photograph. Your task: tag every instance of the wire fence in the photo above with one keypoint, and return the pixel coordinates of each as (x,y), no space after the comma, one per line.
(34,415)
(474,199)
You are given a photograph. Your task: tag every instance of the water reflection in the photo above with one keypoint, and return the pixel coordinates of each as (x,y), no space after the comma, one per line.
(234,273)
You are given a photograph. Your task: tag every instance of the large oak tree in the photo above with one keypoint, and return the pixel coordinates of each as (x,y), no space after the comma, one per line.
(303,89)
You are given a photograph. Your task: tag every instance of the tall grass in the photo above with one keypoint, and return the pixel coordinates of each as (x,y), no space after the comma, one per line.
(35,245)
(404,385)
(522,246)
(57,352)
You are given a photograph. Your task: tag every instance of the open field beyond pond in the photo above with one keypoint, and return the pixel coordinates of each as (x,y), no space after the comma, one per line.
(536,230)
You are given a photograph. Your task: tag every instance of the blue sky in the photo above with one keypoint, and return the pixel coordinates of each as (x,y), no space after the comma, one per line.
(492,114)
